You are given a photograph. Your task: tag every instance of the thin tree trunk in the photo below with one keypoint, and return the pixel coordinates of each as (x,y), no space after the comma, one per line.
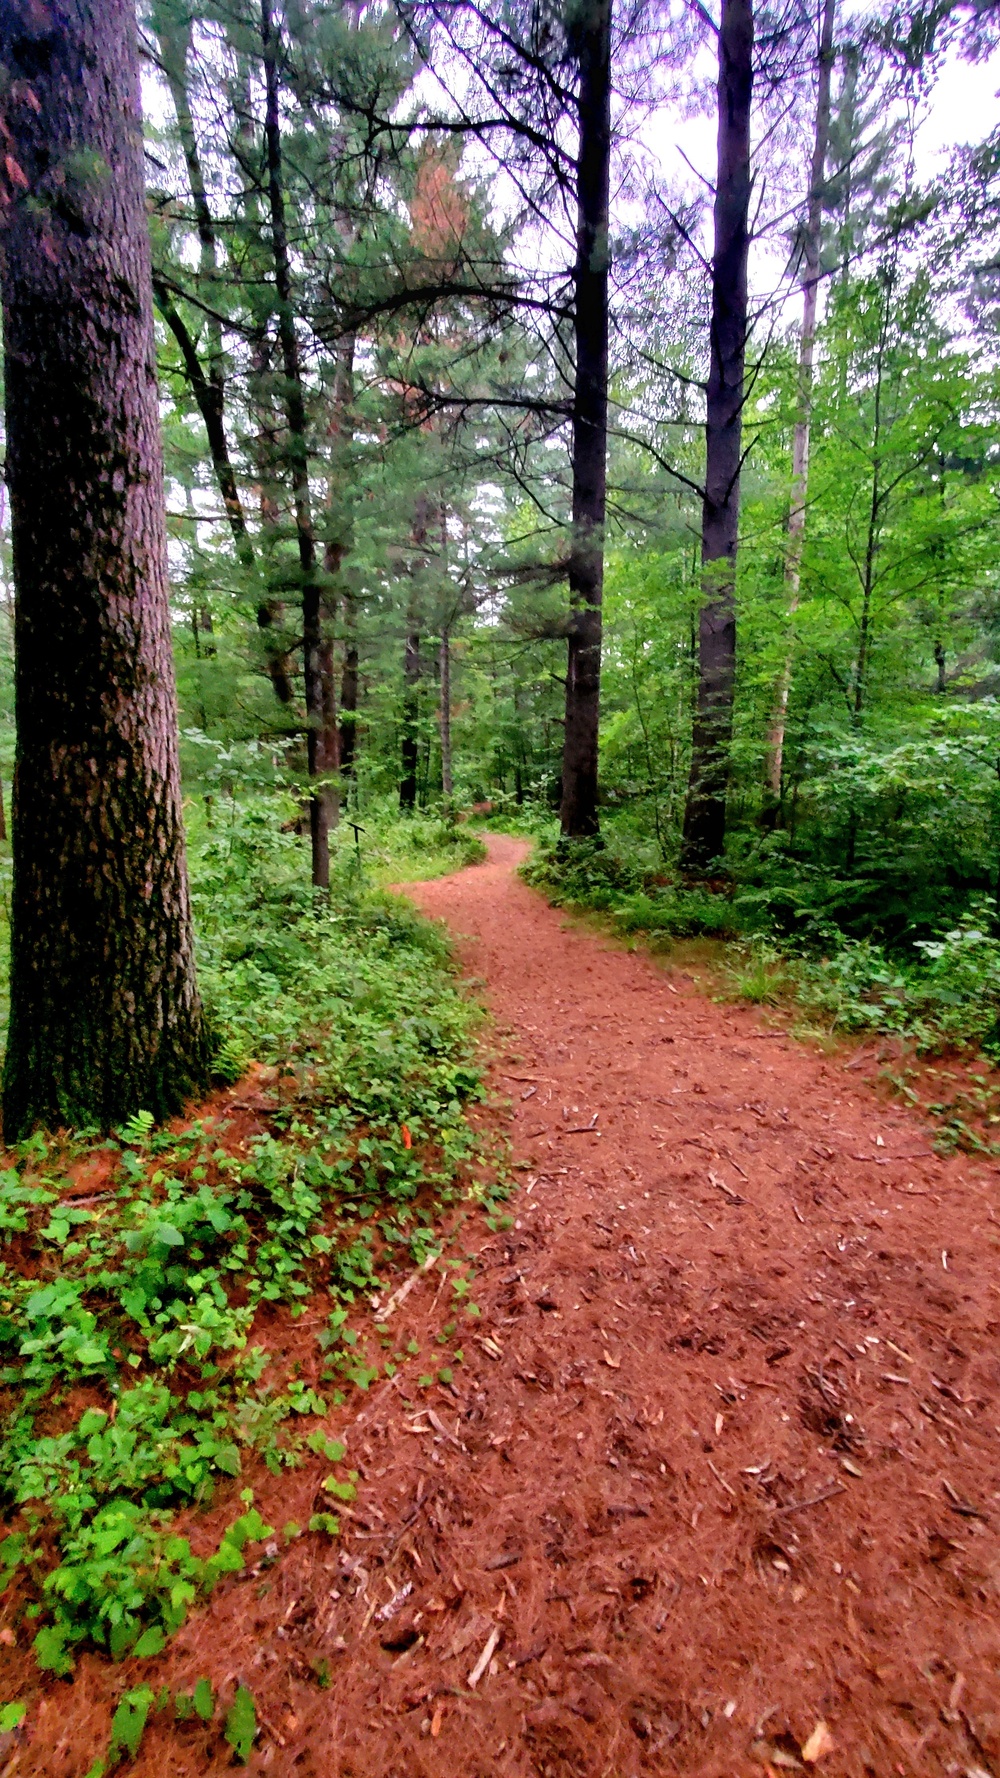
(445,715)
(409,761)
(209,388)
(295,413)
(409,748)
(705,812)
(209,396)
(105,1017)
(349,690)
(270,611)
(592,34)
(874,526)
(811,243)
(335,549)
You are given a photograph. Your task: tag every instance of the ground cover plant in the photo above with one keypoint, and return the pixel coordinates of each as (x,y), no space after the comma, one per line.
(135,1267)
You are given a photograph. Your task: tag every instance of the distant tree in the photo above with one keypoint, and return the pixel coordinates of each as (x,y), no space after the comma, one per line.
(105,1017)
(808,256)
(705,812)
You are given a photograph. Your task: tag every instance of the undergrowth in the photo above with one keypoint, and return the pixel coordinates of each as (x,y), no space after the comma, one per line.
(387,847)
(942,993)
(132,1383)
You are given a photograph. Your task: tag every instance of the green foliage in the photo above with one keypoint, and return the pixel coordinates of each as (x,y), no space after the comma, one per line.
(147,1297)
(613,880)
(241,1725)
(128,1723)
(788,928)
(946,996)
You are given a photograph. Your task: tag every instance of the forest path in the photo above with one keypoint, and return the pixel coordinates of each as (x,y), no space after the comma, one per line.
(717,1466)
(756,1286)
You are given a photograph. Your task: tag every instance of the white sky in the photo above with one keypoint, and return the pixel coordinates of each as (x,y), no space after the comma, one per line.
(963,107)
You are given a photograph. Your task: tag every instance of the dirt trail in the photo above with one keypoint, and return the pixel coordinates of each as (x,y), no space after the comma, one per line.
(721,1462)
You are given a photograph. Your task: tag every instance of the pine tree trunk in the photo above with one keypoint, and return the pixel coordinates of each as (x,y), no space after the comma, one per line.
(811,243)
(298,450)
(343,400)
(349,692)
(409,743)
(334,551)
(592,34)
(445,716)
(105,1017)
(705,812)
(209,387)
(270,611)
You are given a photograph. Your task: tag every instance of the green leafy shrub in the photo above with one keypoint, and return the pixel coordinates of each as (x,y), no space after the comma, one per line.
(948,995)
(593,875)
(149,1299)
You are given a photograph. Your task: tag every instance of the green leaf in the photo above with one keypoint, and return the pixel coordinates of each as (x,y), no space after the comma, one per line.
(339,1490)
(330,1448)
(204,1700)
(249,1528)
(150,1643)
(50,1650)
(90,1355)
(11,1715)
(165,1233)
(129,1720)
(241,1724)
(227,1458)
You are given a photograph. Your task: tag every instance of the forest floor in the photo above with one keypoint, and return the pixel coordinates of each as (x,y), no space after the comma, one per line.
(716,1490)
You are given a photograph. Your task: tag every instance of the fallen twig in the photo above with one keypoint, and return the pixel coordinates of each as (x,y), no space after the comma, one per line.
(721,1479)
(583,1129)
(799,1506)
(403,1292)
(485,1658)
(723,1187)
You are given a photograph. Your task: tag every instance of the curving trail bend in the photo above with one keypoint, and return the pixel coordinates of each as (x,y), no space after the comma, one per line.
(716,1488)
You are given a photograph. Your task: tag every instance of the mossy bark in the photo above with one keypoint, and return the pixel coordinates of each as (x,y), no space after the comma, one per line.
(105,1017)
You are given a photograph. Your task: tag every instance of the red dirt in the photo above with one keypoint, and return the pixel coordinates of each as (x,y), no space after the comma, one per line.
(720,1464)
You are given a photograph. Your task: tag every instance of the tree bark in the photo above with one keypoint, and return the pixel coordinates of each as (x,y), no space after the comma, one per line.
(209,387)
(335,549)
(811,243)
(409,743)
(349,691)
(105,1017)
(210,397)
(592,45)
(298,450)
(444,720)
(705,811)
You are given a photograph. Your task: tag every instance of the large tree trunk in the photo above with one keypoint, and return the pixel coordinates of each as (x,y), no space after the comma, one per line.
(811,243)
(592,44)
(298,450)
(105,1017)
(705,812)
